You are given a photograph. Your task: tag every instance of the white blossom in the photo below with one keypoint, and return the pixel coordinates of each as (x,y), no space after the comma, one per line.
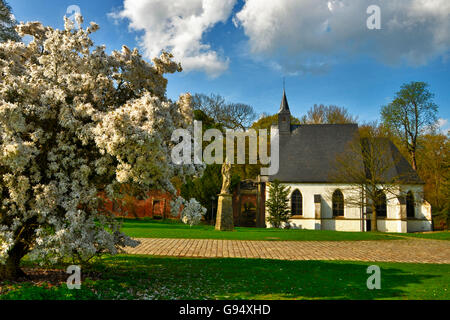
(192,212)
(75,121)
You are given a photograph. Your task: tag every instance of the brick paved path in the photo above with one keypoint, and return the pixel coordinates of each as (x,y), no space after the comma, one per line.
(411,250)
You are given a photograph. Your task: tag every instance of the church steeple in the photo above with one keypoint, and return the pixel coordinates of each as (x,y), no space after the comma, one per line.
(284,107)
(284,116)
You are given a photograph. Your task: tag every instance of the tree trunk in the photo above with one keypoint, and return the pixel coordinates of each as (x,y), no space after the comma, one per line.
(413,160)
(11,269)
(374,219)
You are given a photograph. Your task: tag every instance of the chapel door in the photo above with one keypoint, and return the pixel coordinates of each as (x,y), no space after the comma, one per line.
(368,225)
(248,215)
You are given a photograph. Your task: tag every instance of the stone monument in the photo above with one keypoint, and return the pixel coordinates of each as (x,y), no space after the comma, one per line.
(224,219)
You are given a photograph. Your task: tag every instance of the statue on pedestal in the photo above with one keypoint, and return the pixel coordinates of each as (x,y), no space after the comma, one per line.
(224,219)
(226,177)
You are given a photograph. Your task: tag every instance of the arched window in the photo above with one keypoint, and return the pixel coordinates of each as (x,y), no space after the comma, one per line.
(410,205)
(296,203)
(381,204)
(338,204)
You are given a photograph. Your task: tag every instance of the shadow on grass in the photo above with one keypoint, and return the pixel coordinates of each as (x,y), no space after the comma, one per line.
(147,277)
(186,278)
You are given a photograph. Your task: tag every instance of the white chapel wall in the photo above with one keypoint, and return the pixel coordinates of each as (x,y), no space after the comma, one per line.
(352,214)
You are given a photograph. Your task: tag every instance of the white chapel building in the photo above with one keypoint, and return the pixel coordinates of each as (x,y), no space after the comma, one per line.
(307,154)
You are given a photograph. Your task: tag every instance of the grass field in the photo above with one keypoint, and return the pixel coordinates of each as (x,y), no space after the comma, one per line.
(441,235)
(168,278)
(173,229)
(147,277)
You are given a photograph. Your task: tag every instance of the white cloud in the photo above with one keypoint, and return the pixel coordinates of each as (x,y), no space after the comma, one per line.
(178,26)
(443,125)
(293,31)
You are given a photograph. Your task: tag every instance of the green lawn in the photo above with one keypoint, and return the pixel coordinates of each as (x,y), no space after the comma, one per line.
(172,229)
(441,235)
(148,277)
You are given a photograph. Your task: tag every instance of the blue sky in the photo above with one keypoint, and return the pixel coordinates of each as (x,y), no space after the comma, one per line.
(360,70)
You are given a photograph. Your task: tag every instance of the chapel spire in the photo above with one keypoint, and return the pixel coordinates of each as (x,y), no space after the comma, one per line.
(284,115)
(284,107)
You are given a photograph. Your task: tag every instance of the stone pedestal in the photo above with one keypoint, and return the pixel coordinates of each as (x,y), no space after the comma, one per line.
(224,218)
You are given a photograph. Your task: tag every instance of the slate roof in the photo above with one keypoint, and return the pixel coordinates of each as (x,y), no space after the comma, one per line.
(399,167)
(309,154)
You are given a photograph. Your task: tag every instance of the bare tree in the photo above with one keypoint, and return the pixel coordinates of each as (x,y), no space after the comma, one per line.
(210,105)
(366,168)
(321,114)
(236,116)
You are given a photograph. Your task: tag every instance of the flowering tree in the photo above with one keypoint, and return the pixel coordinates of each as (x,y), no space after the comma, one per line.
(74,122)
(192,212)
